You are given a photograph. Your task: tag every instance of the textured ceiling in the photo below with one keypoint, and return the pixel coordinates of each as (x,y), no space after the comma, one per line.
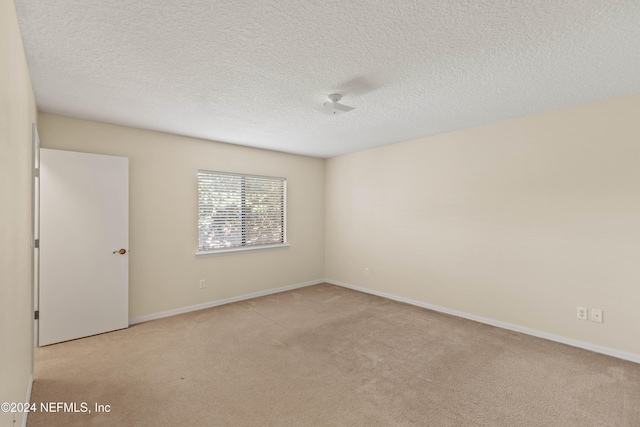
(251,72)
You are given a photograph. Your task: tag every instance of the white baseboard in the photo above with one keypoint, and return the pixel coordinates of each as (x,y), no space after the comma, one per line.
(168,313)
(574,343)
(27,399)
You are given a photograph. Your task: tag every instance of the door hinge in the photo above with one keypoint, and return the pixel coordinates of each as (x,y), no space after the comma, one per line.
(36,173)
(36,244)
(36,314)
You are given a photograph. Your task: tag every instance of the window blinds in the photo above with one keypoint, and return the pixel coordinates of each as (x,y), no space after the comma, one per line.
(236,211)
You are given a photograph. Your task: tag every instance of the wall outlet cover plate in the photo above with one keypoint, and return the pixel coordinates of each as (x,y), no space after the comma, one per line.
(582,313)
(596,315)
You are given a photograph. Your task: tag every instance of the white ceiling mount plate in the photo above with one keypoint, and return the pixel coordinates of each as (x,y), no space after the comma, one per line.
(333,107)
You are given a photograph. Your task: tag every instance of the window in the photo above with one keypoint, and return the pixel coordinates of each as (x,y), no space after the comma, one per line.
(240,212)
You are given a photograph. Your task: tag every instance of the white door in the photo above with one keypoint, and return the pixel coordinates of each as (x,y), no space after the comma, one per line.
(84,224)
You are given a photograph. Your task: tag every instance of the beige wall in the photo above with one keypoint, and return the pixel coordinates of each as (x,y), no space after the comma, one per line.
(164,272)
(17,113)
(519,221)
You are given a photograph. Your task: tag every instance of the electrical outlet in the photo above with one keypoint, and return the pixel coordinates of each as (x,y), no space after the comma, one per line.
(582,313)
(366,271)
(596,315)
(203,283)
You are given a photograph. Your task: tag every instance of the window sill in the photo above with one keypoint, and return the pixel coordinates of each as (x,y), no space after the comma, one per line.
(244,249)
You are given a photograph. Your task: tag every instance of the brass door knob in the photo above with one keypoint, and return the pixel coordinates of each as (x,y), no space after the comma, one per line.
(121,252)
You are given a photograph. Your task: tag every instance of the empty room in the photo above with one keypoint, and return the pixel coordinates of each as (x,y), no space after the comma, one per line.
(278,213)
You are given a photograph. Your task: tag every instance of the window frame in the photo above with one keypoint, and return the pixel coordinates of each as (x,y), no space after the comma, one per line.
(243,212)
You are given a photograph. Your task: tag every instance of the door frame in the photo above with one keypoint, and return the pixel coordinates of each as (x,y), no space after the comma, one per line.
(35,234)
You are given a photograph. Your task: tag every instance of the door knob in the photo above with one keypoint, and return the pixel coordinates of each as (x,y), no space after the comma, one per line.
(121,252)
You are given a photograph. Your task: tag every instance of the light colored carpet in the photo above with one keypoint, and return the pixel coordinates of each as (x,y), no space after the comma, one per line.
(328,356)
